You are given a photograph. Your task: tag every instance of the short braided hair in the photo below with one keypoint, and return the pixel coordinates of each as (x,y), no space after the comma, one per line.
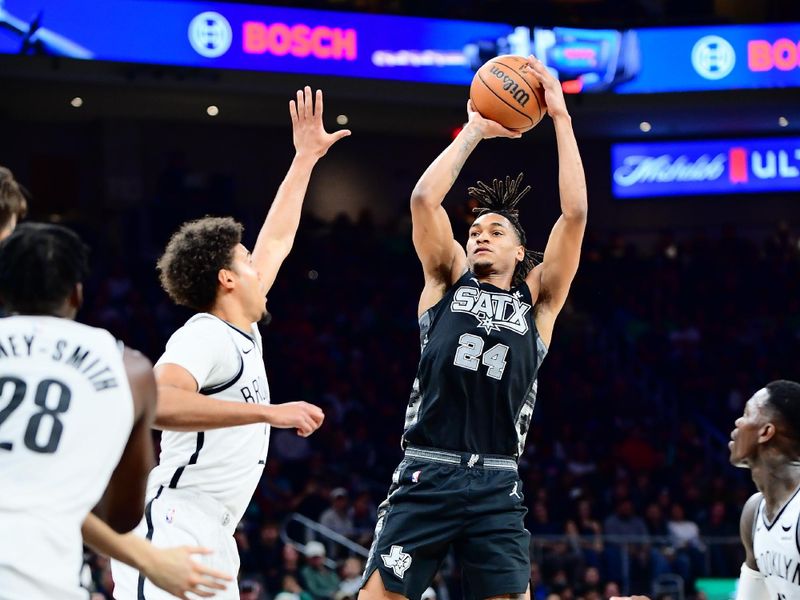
(502,198)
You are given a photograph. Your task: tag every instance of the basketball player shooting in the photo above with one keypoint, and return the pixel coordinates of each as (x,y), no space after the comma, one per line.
(766,440)
(214,404)
(486,317)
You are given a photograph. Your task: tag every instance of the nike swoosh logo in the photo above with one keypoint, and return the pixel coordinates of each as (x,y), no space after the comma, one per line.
(247,351)
(787,528)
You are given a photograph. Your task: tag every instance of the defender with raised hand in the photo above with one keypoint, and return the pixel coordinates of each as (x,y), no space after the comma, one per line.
(486,317)
(214,404)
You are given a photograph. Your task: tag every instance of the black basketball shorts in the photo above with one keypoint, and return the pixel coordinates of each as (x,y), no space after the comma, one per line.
(441,499)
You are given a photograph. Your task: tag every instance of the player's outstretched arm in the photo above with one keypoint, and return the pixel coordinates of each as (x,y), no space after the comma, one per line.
(182,408)
(171,569)
(311,142)
(443,259)
(550,281)
(122,504)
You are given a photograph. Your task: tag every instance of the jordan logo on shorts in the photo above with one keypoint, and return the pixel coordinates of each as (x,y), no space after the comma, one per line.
(514,491)
(397,560)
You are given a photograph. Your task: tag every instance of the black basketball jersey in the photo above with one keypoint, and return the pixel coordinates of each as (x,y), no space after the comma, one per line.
(476,382)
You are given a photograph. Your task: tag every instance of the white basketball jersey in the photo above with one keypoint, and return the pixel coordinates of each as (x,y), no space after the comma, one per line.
(225,464)
(66,413)
(776,546)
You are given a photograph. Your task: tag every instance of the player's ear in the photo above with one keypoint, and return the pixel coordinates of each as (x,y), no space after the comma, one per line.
(225,278)
(766,433)
(75,299)
(520,253)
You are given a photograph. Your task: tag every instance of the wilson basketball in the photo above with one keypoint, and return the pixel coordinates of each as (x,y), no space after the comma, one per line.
(505,90)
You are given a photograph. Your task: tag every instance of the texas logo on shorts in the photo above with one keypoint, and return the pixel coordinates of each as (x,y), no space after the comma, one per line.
(397,560)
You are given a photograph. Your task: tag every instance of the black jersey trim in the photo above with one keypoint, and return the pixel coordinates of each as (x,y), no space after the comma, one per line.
(216,389)
(148,517)
(769,526)
(173,483)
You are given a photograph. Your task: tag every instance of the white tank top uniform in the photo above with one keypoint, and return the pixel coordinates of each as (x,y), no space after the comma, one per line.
(776,545)
(204,480)
(66,413)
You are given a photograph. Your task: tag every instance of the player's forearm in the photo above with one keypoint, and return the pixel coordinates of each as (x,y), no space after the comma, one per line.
(283,219)
(442,173)
(571,178)
(127,548)
(182,410)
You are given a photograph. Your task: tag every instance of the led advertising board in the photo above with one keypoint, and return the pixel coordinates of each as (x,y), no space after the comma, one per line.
(258,38)
(705,167)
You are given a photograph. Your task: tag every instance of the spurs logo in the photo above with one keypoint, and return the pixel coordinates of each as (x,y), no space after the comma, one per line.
(493,311)
(397,560)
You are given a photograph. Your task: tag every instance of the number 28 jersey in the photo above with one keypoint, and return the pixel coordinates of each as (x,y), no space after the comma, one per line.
(476,383)
(66,413)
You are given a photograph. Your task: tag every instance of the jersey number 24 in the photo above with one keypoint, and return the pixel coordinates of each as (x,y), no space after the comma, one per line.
(470,355)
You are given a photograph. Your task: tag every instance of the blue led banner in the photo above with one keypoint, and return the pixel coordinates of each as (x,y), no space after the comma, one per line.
(259,38)
(673,59)
(699,168)
(262,38)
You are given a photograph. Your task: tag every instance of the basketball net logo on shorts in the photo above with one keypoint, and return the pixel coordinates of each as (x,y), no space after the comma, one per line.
(397,560)
(210,34)
(493,311)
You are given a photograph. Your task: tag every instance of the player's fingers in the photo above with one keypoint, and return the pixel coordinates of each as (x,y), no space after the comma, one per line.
(293,111)
(210,573)
(213,584)
(470,107)
(309,100)
(318,105)
(197,550)
(301,105)
(203,593)
(342,133)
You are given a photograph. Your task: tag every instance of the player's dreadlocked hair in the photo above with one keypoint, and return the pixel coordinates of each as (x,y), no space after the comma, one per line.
(502,198)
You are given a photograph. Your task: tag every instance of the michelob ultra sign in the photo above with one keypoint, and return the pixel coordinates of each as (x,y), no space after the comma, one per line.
(705,167)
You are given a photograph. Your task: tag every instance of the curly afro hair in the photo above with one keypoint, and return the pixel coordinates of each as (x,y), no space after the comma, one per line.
(501,198)
(189,267)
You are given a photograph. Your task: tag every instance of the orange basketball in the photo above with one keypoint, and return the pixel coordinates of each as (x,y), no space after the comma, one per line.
(505,90)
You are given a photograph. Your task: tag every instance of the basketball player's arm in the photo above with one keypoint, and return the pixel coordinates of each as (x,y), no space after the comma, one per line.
(171,569)
(182,408)
(551,280)
(122,504)
(311,142)
(443,259)
(751,581)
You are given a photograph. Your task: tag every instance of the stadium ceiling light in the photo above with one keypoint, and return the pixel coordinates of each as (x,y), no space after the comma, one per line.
(342,120)
(76,102)
(212,110)
(783,121)
(645,126)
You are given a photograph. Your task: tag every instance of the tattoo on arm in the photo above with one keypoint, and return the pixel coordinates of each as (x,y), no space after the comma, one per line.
(464,150)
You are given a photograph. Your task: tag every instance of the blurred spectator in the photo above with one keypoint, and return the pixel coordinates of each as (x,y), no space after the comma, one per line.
(338,516)
(318,580)
(351,571)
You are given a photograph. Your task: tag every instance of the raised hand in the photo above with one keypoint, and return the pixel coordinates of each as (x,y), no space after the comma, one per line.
(488,128)
(308,132)
(174,570)
(553,95)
